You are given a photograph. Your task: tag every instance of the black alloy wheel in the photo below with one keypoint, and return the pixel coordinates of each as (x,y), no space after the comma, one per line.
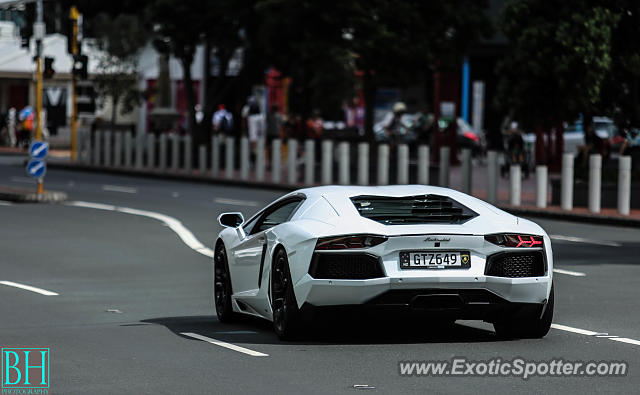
(222,285)
(286,315)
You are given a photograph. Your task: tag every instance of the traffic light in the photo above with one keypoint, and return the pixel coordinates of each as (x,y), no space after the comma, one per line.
(26,31)
(80,66)
(48,67)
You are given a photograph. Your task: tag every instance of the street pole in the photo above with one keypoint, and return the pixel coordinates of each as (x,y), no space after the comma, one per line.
(73,15)
(39,30)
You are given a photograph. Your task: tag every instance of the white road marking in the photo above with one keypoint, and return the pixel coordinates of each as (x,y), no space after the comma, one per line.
(627,340)
(574,330)
(235,202)
(119,188)
(586,241)
(23,179)
(225,345)
(29,288)
(569,272)
(602,335)
(4,203)
(183,233)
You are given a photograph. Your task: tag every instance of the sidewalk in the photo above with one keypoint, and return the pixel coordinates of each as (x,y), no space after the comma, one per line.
(61,159)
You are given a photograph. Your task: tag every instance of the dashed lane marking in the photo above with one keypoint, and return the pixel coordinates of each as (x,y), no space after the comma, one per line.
(119,188)
(225,345)
(569,272)
(235,202)
(601,335)
(586,241)
(29,288)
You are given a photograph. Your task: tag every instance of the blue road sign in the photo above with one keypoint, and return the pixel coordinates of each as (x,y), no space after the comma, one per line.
(36,168)
(39,149)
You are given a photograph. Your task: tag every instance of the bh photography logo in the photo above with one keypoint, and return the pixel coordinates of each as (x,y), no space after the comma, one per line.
(25,371)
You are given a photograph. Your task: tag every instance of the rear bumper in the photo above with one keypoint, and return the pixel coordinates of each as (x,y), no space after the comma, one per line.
(474,292)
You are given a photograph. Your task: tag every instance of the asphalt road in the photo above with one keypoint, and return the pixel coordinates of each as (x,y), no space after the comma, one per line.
(128,288)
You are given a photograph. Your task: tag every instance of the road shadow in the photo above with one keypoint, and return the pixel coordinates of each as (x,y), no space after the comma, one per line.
(355,329)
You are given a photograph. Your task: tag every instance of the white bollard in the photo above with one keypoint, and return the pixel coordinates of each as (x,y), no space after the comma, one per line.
(383,164)
(292,157)
(423,164)
(466,171)
(228,163)
(244,158)
(566,189)
(162,166)
(327,162)
(151,151)
(443,179)
(202,159)
(97,150)
(128,150)
(403,164)
(541,186)
(117,149)
(492,177)
(624,185)
(515,185)
(215,156)
(343,163)
(260,162)
(139,152)
(188,163)
(107,148)
(309,162)
(175,152)
(595,179)
(363,164)
(276,158)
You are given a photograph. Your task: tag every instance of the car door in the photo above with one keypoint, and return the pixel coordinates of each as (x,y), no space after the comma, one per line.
(250,252)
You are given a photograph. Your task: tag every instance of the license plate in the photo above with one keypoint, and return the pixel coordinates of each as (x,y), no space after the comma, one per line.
(435,260)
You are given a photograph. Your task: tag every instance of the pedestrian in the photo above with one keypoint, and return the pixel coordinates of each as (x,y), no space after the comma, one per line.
(424,126)
(222,121)
(315,126)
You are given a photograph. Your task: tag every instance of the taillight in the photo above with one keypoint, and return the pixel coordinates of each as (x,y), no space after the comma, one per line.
(515,240)
(346,242)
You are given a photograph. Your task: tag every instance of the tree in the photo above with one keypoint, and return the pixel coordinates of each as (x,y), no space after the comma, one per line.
(560,53)
(121,37)
(323,46)
(621,90)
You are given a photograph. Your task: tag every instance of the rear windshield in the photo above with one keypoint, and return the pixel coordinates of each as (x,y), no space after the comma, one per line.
(420,209)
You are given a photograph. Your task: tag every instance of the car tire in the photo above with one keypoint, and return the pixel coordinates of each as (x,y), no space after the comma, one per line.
(286,314)
(533,326)
(222,285)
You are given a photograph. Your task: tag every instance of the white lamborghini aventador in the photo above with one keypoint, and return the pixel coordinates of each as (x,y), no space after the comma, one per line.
(409,247)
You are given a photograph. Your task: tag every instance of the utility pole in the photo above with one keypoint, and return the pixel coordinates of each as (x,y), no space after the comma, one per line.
(73,16)
(38,32)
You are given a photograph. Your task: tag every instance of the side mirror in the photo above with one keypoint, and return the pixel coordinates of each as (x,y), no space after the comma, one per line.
(231,220)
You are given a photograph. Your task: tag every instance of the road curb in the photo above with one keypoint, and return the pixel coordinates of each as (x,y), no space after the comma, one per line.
(520,211)
(175,176)
(573,217)
(21,195)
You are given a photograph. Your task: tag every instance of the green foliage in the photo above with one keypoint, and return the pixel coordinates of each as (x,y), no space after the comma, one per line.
(120,37)
(561,52)
(621,91)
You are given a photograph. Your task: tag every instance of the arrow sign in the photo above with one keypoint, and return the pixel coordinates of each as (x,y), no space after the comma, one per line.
(39,149)
(36,168)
